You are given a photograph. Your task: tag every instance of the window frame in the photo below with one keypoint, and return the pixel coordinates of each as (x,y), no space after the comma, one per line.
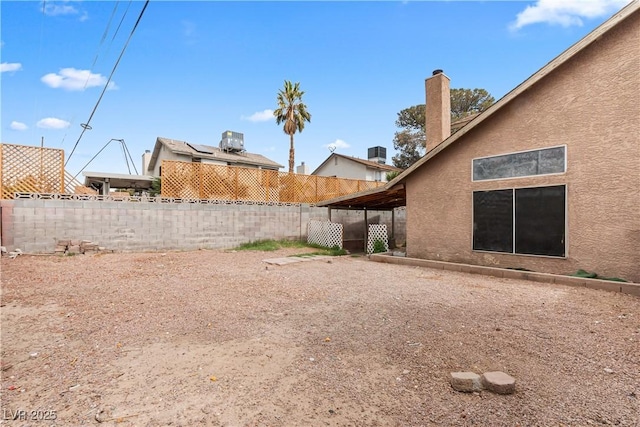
(513,208)
(518,152)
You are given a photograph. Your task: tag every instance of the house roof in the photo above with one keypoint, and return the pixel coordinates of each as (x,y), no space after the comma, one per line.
(367,163)
(212,153)
(620,16)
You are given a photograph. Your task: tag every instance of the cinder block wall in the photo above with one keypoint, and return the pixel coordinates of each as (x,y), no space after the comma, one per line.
(35,225)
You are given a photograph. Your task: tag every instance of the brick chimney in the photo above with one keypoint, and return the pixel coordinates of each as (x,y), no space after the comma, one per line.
(438,109)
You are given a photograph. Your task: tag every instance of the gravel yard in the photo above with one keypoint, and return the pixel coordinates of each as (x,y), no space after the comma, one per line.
(220,338)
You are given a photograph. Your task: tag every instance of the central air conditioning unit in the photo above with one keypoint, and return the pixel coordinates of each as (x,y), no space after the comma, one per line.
(232,141)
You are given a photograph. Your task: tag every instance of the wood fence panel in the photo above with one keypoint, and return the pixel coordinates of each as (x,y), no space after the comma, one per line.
(209,181)
(26,169)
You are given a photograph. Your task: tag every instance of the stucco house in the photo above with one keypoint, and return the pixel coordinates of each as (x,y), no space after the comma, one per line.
(546,179)
(373,169)
(230,152)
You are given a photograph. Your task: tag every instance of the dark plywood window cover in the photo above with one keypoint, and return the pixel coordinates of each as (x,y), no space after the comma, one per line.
(540,221)
(528,221)
(493,220)
(526,163)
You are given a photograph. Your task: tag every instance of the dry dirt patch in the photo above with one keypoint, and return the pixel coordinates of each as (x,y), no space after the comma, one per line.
(220,338)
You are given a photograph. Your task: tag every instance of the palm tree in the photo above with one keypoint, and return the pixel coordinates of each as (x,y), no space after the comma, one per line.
(292,112)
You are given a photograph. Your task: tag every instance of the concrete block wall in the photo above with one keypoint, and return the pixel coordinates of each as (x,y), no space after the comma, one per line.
(35,225)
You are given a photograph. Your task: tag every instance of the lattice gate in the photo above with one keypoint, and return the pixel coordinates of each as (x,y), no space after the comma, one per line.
(325,233)
(377,232)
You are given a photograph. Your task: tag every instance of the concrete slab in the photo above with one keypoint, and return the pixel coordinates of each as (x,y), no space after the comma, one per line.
(291,260)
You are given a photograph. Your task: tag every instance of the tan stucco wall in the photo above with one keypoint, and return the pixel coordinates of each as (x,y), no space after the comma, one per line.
(591,104)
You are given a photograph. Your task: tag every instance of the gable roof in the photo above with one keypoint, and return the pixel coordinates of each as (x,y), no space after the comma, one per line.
(367,163)
(627,11)
(398,182)
(213,153)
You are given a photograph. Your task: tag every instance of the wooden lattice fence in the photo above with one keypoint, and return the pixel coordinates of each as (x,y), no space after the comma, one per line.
(207,181)
(25,169)
(29,169)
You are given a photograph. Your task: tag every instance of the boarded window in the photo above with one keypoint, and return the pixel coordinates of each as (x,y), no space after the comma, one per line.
(528,221)
(525,163)
(493,221)
(540,220)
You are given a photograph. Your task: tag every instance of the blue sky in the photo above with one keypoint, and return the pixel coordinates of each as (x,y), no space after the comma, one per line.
(193,70)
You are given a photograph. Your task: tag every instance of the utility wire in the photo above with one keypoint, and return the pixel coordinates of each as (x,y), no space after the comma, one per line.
(119,25)
(93,158)
(86,126)
(93,64)
(130,158)
(104,36)
(124,154)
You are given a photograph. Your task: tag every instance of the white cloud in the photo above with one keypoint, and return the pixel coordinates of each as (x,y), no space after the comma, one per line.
(59,8)
(72,79)
(18,126)
(53,123)
(260,116)
(10,66)
(338,143)
(565,12)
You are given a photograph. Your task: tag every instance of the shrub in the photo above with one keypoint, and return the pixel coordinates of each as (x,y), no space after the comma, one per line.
(379,246)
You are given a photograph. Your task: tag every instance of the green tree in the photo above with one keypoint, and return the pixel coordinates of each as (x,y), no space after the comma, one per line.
(292,112)
(391,175)
(465,102)
(410,140)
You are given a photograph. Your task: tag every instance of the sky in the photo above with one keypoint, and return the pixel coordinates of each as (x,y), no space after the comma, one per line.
(192,70)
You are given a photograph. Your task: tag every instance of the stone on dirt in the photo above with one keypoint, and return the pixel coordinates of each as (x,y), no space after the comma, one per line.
(465,381)
(499,382)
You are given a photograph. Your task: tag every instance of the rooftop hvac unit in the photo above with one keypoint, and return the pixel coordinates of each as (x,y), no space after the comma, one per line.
(377,154)
(232,141)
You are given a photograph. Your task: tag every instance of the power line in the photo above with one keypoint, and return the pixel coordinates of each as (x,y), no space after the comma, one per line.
(93,64)
(86,126)
(119,25)
(92,159)
(104,36)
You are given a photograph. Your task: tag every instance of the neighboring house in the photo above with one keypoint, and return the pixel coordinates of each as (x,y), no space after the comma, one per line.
(548,178)
(349,167)
(171,149)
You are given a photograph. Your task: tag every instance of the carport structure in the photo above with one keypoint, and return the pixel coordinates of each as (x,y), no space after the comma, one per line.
(385,198)
(104,182)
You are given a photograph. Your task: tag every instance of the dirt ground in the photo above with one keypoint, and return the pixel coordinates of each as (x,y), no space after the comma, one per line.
(220,338)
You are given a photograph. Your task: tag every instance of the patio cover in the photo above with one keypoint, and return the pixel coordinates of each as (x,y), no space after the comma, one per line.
(382,198)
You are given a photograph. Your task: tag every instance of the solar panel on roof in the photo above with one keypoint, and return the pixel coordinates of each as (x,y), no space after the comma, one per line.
(201,148)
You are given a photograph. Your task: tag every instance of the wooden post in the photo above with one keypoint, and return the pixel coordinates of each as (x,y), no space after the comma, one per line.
(1,181)
(393,223)
(62,186)
(366,231)
(266,180)
(236,182)
(200,181)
